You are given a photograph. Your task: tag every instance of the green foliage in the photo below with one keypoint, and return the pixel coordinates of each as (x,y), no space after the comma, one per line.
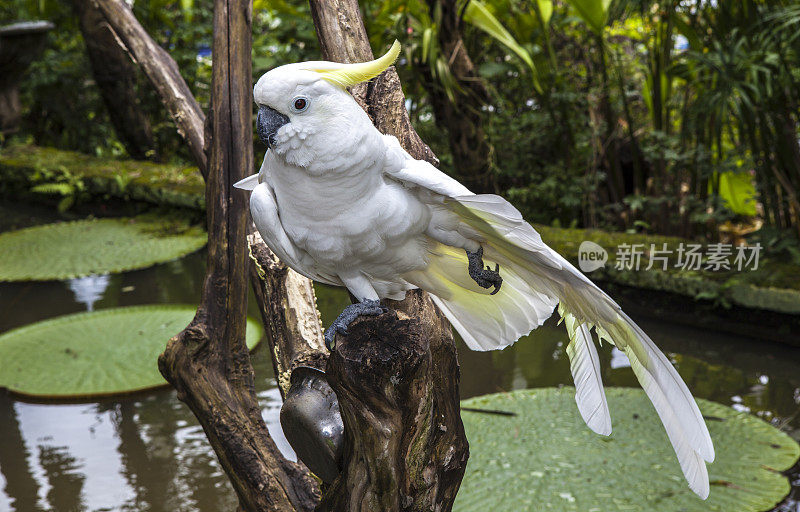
(101,353)
(545,458)
(545,8)
(101,246)
(593,12)
(616,127)
(478,15)
(282,32)
(59,181)
(183,27)
(78,119)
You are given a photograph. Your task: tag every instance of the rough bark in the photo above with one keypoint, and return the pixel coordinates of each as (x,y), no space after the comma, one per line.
(396,377)
(288,309)
(208,363)
(162,72)
(202,374)
(115,76)
(405,447)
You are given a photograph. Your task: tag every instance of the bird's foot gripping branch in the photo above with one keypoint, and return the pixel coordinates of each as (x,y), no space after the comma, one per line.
(366,307)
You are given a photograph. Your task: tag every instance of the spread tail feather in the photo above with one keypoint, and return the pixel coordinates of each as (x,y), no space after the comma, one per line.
(535,278)
(584,364)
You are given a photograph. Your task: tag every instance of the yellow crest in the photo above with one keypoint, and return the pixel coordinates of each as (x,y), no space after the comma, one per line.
(347,75)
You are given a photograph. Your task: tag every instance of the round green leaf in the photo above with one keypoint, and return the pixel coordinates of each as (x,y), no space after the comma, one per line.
(545,458)
(99,246)
(100,353)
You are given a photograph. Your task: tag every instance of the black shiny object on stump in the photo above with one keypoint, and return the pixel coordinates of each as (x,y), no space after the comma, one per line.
(312,423)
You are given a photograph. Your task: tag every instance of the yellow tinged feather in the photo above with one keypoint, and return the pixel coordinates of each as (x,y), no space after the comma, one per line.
(347,75)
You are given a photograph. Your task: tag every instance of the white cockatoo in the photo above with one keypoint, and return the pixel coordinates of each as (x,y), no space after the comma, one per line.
(345,205)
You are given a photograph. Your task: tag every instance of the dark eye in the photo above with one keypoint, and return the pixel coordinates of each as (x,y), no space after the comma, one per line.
(300,103)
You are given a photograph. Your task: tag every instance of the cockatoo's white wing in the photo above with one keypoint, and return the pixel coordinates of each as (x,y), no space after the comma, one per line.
(264,210)
(534,278)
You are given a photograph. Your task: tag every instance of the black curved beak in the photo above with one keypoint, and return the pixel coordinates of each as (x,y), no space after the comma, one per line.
(267,123)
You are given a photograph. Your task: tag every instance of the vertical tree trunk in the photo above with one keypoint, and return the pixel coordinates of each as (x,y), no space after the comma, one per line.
(288,309)
(20,44)
(115,76)
(215,382)
(396,377)
(208,363)
(610,144)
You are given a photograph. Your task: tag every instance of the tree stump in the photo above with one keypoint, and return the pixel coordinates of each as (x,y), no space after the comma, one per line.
(396,376)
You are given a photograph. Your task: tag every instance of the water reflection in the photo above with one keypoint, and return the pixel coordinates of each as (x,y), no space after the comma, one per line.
(89,289)
(137,454)
(21,489)
(147,453)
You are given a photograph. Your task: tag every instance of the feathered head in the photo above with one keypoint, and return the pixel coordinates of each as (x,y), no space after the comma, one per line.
(304,108)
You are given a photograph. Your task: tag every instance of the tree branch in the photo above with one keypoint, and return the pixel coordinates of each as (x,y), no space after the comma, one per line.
(288,309)
(162,72)
(115,76)
(396,377)
(209,363)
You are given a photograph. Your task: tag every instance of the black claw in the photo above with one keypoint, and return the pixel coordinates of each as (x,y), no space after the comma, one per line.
(330,338)
(366,307)
(485,277)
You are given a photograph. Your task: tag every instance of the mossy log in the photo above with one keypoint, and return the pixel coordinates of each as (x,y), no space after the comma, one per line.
(24,166)
(396,376)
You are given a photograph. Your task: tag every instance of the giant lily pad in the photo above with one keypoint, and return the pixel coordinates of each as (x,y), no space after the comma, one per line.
(545,458)
(99,246)
(101,353)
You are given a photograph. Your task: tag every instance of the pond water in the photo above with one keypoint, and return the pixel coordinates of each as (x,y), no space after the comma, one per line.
(147,453)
